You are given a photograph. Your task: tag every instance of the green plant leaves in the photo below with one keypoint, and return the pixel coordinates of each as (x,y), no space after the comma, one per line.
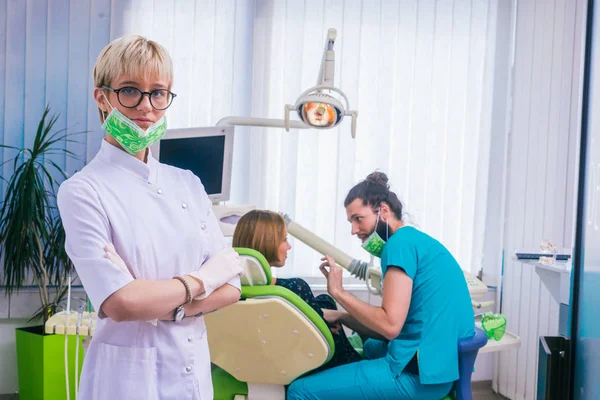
(31,232)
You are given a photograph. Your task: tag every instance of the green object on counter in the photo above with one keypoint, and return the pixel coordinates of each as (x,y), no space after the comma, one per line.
(494,325)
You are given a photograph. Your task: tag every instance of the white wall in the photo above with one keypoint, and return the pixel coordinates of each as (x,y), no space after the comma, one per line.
(9,382)
(540,174)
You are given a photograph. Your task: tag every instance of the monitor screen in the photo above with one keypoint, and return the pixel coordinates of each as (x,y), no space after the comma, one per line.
(204,156)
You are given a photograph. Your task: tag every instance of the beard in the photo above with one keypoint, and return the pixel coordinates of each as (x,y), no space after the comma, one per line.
(383,230)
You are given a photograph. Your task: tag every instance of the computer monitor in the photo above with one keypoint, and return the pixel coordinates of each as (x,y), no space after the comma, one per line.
(207,152)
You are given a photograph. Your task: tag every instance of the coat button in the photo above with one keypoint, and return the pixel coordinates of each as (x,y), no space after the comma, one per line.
(190,339)
(159,191)
(184,205)
(188,369)
(203,226)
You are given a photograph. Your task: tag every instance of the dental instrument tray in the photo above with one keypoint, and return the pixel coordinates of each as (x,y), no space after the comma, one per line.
(523,255)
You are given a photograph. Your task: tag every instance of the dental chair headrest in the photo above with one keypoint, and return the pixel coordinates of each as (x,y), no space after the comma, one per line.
(257,271)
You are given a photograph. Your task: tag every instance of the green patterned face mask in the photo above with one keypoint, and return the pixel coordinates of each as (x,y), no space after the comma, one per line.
(130,136)
(374,244)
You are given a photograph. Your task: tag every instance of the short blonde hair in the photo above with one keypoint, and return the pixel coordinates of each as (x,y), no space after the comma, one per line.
(262,231)
(132,55)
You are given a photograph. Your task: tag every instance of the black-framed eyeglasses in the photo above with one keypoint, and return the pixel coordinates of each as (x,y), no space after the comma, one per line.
(130,97)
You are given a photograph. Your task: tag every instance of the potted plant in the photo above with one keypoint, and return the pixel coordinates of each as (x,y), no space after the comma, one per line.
(32,251)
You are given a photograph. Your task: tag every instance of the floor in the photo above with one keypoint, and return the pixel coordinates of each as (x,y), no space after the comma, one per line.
(481,391)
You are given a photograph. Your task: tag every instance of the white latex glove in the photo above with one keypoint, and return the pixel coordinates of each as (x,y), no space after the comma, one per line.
(220,269)
(113,257)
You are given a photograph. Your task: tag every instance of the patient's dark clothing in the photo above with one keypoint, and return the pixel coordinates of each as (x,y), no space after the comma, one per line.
(344,352)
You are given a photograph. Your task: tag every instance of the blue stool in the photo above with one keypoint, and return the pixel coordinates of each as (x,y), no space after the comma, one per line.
(467,353)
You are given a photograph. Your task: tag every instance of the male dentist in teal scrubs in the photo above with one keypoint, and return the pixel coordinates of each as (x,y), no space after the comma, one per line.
(412,350)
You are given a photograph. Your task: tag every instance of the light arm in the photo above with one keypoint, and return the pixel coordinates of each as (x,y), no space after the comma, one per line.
(326,71)
(260,122)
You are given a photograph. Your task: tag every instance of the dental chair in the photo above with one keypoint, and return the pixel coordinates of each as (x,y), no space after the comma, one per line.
(283,337)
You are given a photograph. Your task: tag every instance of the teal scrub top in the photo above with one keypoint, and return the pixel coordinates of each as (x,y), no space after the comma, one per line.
(440,311)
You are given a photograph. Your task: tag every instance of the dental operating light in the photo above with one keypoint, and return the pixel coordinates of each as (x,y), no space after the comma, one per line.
(317,107)
(321,107)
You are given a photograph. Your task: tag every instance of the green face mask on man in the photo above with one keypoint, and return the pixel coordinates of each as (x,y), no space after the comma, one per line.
(374,244)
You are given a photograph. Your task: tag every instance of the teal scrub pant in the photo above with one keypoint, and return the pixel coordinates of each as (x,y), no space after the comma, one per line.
(371,378)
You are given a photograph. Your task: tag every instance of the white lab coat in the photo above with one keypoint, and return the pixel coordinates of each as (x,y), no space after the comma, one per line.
(160,220)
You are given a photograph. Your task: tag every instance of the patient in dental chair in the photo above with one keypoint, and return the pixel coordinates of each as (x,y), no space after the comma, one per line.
(265,232)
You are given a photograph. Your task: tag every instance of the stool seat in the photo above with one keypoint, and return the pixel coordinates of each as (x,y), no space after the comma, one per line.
(467,353)
(474,342)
